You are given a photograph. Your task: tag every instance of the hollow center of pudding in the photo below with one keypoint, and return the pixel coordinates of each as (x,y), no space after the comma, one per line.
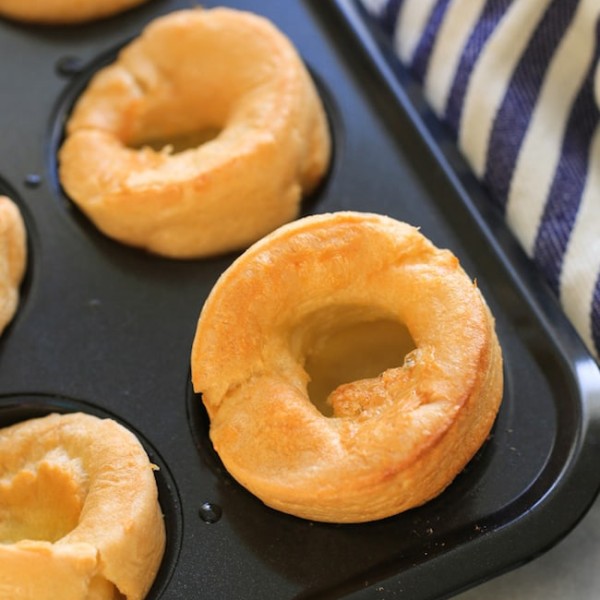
(40,502)
(354,351)
(177,142)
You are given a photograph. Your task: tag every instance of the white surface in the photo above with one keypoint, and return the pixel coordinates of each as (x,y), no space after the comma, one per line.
(568,571)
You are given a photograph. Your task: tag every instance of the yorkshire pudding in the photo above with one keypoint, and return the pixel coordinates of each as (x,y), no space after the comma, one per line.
(13,258)
(63,12)
(79,514)
(201,138)
(393,439)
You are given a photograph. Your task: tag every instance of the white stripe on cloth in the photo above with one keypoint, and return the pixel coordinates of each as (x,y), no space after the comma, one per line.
(581,265)
(491,77)
(542,144)
(412,20)
(458,23)
(375,7)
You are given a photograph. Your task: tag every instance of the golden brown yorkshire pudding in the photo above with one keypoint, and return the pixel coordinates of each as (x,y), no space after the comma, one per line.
(63,12)
(201,138)
(13,258)
(397,434)
(79,514)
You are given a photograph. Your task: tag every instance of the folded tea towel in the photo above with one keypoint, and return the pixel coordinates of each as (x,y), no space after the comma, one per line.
(518,82)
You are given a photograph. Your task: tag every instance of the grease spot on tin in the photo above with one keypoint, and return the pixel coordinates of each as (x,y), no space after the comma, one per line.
(210,512)
(67,66)
(33,180)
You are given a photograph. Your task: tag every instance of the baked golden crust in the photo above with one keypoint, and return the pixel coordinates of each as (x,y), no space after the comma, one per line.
(63,11)
(196,73)
(13,258)
(79,514)
(393,441)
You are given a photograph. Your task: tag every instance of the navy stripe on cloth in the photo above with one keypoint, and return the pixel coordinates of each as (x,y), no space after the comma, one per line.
(511,121)
(492,13)
(389,16)
(595,316)
(569,179)
(422,53)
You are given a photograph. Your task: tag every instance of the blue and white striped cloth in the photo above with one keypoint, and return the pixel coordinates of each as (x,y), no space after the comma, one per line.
(519,84)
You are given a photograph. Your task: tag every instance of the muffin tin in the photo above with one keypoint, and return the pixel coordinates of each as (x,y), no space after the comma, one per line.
(108,329)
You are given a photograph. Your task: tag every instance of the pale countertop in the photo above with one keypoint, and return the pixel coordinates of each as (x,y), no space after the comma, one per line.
(568,571)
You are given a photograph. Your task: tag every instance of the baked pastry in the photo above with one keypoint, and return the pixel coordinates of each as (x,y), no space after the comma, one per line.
(13,258)
(231,90)
(79,515)
(395,437)
(63,11)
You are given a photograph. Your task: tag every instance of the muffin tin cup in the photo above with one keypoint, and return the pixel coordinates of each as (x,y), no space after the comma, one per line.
(17,408)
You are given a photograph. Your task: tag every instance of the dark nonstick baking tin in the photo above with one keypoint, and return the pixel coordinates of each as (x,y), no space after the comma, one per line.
(108,329)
